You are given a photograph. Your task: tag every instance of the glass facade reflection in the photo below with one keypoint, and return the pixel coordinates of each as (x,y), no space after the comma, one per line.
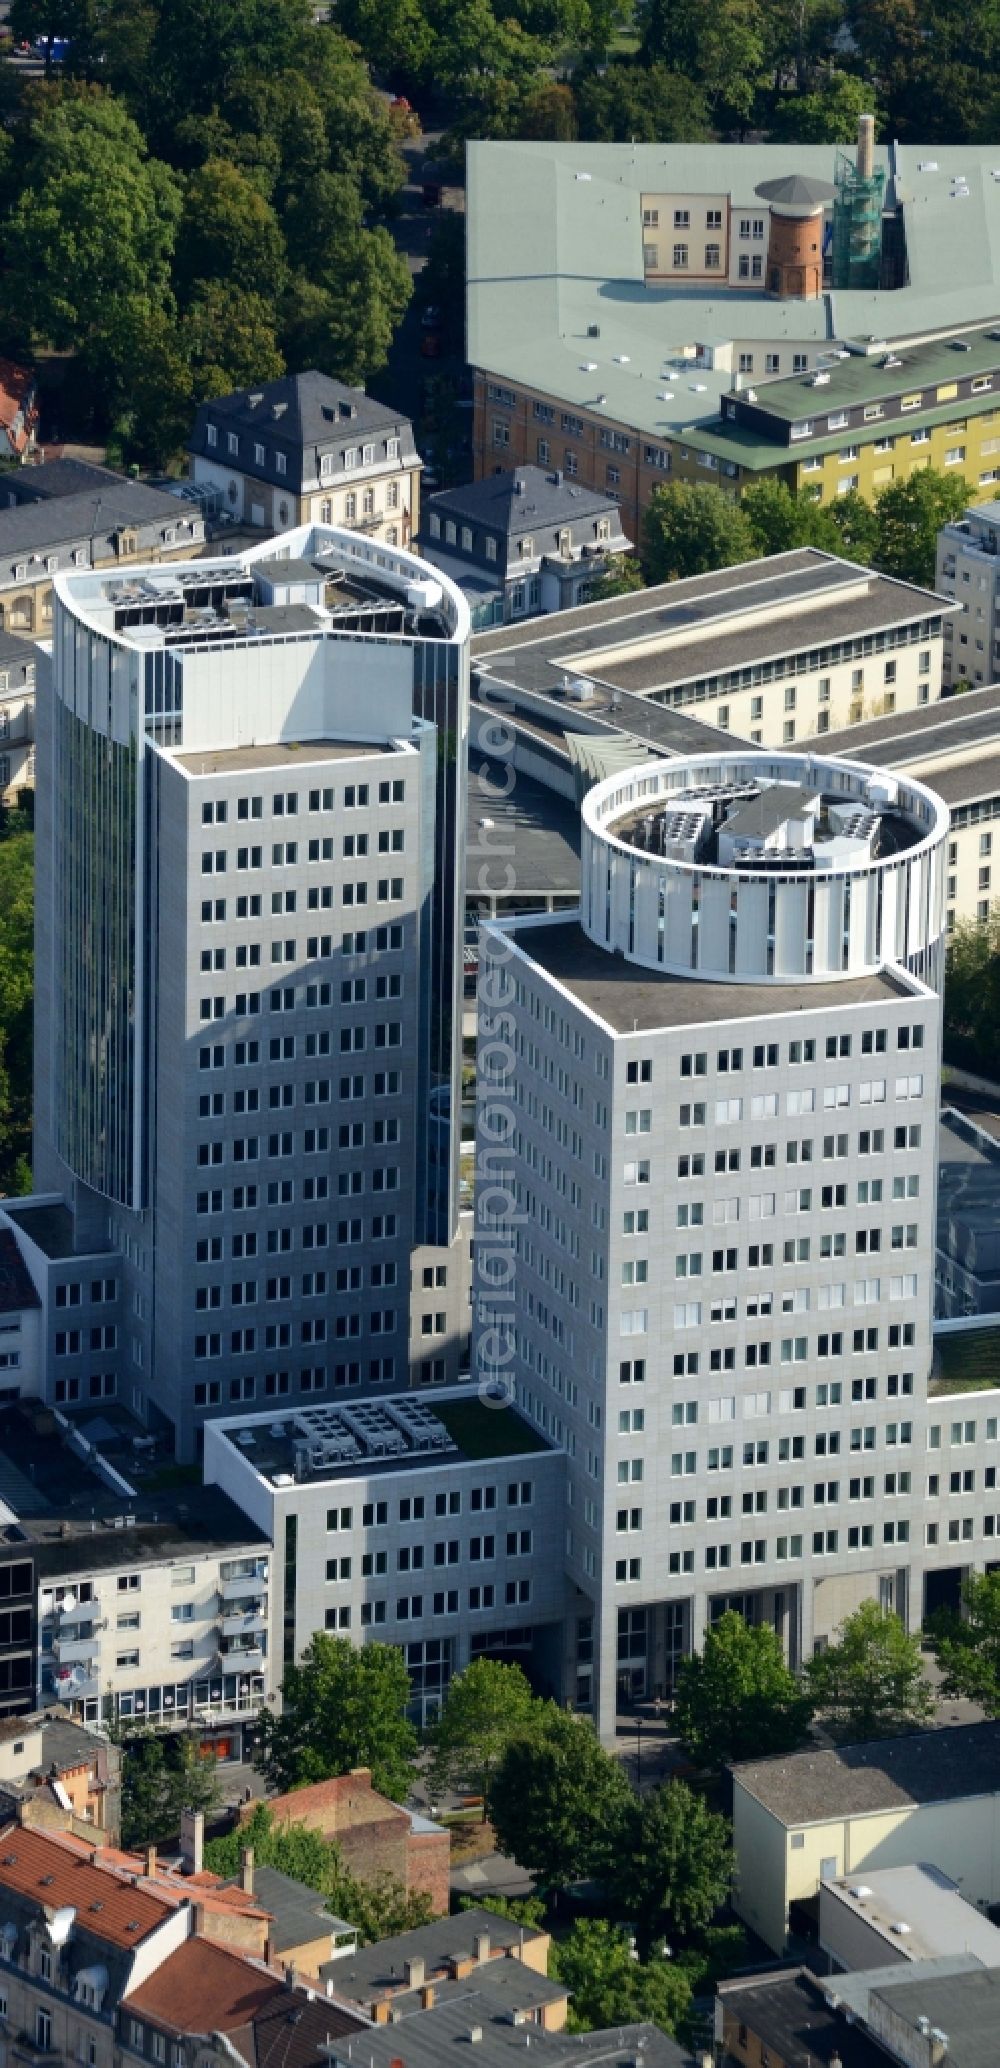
(95,956)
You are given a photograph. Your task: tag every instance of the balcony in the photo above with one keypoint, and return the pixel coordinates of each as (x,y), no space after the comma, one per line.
(69,1609)
(73,1683)
(246,1585)
(76,1650)
(236,1656)
(252,1624)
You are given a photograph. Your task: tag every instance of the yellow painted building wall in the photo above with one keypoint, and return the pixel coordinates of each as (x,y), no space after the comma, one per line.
(773,1871)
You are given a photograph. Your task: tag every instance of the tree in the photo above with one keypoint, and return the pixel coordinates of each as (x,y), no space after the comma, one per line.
(548,113)
(484,1708)
(379,1906)
(781,520)
(871,1683)
(829,115)
(672,1864)
(910,515)
(968,1645)
(557,1800)
(94,223)
(972,992)
(623,578)
(690,529)
(720,45)
(857,527)
(737,1699)
(341,1708)
(350,288)
(608,1986)
(649,102)
(227,233)
(161,1777)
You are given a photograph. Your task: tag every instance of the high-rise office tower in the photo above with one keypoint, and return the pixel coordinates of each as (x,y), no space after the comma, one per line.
(705,1227)
(250,830)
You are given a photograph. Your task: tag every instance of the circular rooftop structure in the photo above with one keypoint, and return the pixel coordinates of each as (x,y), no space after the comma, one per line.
(757,867)
(793,194)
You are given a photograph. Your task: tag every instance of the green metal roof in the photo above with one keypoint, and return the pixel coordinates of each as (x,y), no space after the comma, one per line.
(860,379)
(747,448)
(554,233)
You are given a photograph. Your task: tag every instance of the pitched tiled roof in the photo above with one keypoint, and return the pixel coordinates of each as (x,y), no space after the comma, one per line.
(57,1872)
(204,1988)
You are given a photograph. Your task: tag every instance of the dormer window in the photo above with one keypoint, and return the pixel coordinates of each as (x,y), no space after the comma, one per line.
(392,448)
(325,465)
(367,455)
(281,463)
(211,435)
(526,548)
(233,441)
(258,455)
(20,570)
(604,527)
(350,456)
(435,525)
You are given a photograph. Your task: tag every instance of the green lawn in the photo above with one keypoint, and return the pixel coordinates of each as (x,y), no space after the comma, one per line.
(966,1361)
(486,1432)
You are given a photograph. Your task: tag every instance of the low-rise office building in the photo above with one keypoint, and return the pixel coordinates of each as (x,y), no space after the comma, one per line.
(900,1915)
(305,449)
(954,748)
(819,1815)
(522,542)
(437,1526)
(800,645)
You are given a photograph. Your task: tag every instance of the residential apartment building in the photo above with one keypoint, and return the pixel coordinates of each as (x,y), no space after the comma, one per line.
(523,542)
(631,308)
(306,449)
(435,1525)
(111,527)
(118,1604)
(750,988)
(968,569)
(870,415)
(233,1103)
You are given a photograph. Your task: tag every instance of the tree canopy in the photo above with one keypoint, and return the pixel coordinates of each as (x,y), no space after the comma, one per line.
(161,1777)
(342,1707)
(557,1800)
(968,1645)
(871,1682)
(672,1863)
(972,992)
(483,1710)
(608,1986)
(737,1699)
(690,529)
